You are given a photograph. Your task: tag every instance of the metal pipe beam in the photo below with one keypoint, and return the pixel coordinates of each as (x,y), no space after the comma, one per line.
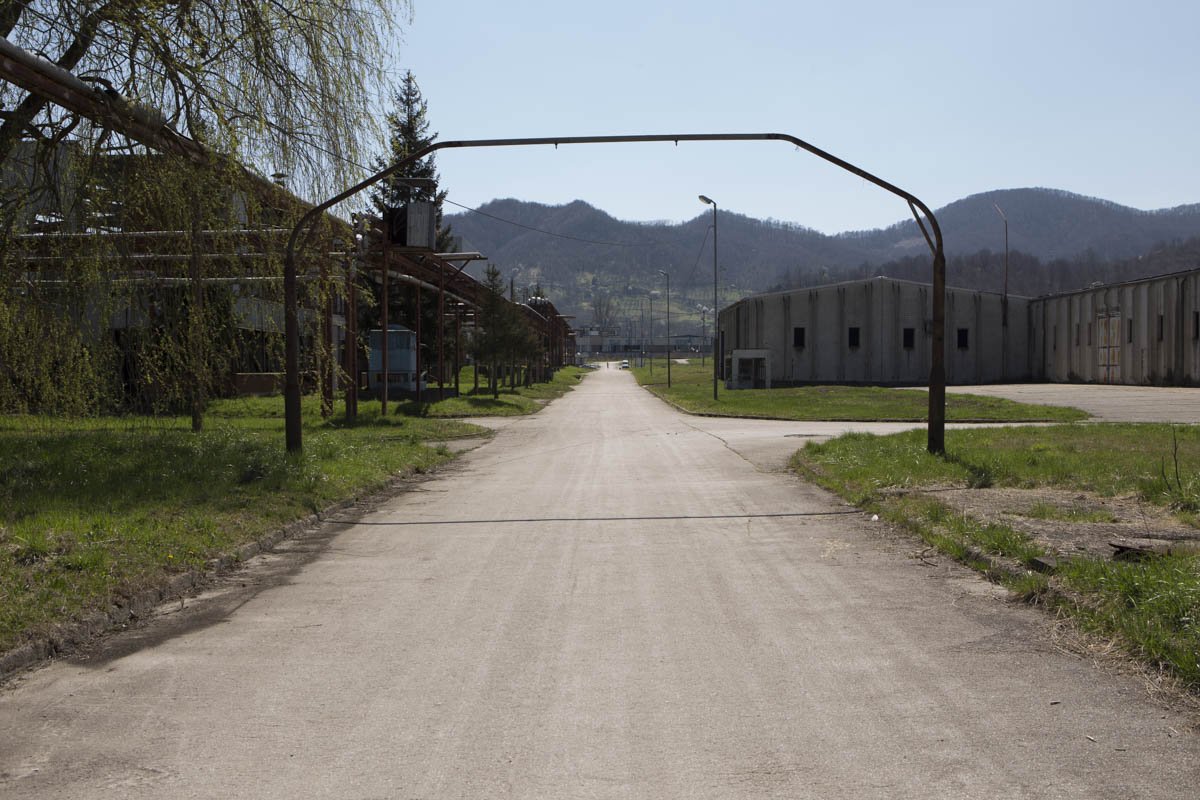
(937,373)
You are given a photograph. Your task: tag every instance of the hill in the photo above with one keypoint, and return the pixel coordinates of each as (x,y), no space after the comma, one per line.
(580,255)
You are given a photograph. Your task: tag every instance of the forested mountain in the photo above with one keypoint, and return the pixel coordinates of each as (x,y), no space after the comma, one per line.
(1046,223)
(1058,241)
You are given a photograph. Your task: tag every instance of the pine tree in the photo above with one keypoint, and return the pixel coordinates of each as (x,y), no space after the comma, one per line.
(408,127)
(496,327)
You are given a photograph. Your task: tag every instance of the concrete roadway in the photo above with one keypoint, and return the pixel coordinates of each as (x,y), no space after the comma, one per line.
(606,601)
(1105,403)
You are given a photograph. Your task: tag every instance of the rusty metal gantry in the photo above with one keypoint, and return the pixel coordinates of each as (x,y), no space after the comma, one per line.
(932,234)
(444,274)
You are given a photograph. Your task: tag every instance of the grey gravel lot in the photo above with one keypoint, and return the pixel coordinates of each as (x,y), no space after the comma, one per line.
(608,600)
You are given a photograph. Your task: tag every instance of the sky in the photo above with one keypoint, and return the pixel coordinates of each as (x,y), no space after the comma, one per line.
(943,100)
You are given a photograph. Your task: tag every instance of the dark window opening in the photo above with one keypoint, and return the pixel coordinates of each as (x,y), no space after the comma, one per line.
(853,338)
(1160,327)
(1089,334)
(964,338)
(1196,324)
(797,337)
(910,335)
(1129,331)
(1077,334)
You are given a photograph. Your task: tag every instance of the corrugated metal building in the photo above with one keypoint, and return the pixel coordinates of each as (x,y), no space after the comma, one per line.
(873,331)
(1141,332)
(876,331)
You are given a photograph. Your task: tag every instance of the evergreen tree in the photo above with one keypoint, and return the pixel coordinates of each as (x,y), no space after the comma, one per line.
(408,132)
(496,327)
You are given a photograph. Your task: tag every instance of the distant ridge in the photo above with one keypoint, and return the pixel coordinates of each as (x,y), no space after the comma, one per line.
(595,252)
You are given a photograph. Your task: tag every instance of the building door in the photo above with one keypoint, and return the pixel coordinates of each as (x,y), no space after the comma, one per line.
(1108,351)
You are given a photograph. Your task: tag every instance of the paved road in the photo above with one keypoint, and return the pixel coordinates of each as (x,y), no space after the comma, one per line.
(606,601)
(1104,403)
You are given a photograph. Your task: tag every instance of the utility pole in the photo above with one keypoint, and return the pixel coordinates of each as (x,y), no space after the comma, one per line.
(642,313)
(1004,302)
(668,277)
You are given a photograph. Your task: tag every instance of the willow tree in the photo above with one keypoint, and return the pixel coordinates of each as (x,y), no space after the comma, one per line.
(285,86)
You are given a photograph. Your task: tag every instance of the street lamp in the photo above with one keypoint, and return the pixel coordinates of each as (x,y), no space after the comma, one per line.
(650,297)
(1001,213)
(668,277)
(716,335)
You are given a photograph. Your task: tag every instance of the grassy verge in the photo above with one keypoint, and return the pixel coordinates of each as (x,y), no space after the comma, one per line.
(511,402)
(691,389)
(98,509)
(1151,606)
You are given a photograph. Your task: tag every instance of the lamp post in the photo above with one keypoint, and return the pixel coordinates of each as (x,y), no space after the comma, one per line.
(716,334)
(668,277)
(650,297)
(1004,302)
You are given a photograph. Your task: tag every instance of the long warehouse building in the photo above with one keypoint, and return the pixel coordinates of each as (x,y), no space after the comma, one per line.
(877,331)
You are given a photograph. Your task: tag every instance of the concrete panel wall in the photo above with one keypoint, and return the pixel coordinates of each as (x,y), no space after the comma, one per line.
(856,333)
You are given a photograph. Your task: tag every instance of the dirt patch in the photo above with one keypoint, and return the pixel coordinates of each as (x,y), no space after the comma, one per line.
(1070,522)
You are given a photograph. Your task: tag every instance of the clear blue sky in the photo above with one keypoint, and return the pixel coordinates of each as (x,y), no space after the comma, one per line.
(943,99)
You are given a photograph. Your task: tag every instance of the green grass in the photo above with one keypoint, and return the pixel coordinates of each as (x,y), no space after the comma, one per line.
(1049,511)
(511,402)
(92,510)
(691,389)
(1107,459)
(1152,606)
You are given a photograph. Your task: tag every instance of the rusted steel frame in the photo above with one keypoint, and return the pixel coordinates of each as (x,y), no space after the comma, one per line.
(440,336)
(433,271)
(383,391)
(326,368)
(417,382)
(351,338)
(937,373)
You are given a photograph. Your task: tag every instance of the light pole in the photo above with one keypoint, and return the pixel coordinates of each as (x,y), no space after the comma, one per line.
(703,330)
(668,277)
(716,334)
(1004,302)
(650,297)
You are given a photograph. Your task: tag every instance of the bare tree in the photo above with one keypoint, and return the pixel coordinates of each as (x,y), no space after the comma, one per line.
(603,311)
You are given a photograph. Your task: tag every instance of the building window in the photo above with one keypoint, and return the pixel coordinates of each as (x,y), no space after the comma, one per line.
(1089,334)
(964,338)
(910,336)
(797,337)
(1196,324)
(1160,327)
(1077,334)
(1129,331)
(853,338)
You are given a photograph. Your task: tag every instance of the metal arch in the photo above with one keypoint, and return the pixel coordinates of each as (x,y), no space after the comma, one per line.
(937,372)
